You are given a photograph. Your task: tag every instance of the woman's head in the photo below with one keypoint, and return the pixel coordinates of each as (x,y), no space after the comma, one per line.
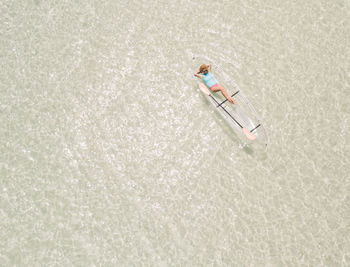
(203,68)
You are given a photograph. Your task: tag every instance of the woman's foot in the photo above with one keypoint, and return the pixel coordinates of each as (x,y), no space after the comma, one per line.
(231,100)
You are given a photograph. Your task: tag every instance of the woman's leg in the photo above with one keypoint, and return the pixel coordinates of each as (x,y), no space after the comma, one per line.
(220,88)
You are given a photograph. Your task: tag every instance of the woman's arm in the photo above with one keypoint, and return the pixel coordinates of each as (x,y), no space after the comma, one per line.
(198,75)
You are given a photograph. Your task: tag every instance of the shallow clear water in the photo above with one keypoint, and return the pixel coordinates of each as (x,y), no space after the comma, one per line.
(112,157)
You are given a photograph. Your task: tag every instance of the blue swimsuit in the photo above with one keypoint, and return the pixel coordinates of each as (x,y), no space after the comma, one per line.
(209,80)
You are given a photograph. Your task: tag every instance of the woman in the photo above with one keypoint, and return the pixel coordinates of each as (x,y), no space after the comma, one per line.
(210,82)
